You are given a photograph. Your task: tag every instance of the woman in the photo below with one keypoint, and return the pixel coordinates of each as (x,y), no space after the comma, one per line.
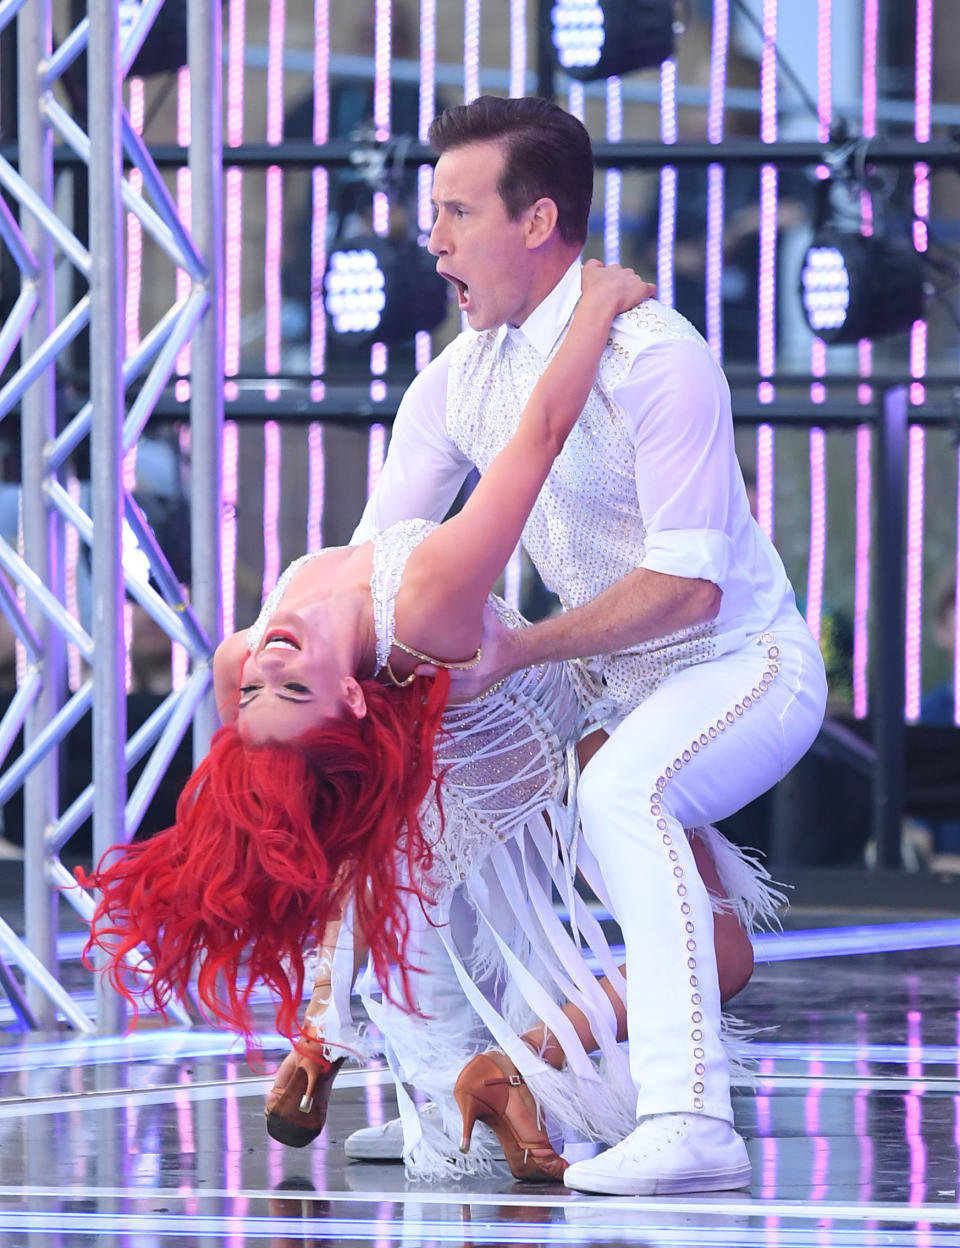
(315,799)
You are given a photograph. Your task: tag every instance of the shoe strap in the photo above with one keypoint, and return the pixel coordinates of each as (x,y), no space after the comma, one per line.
(513,1081)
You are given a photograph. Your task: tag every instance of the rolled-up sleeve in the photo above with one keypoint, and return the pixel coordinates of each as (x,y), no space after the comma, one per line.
(677,405)
(423,469)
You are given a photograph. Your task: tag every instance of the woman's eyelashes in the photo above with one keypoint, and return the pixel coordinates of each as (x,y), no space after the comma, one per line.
(293,686)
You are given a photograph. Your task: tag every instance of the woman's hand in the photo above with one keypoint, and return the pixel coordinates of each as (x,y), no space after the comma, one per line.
(613,286)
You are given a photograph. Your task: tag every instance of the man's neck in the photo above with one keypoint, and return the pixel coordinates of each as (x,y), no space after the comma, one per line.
(546,279)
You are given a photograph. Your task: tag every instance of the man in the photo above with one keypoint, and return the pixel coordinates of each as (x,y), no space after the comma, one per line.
(692,651)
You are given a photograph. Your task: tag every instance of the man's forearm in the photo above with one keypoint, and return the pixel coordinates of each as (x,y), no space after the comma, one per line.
(642,606)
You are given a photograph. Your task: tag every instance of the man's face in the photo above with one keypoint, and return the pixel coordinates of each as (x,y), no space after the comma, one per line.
(479,250)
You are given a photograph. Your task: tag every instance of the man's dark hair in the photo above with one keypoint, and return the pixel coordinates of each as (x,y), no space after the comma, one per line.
(547,153)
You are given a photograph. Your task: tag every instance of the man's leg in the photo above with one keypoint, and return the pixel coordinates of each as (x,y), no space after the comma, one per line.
(708,741)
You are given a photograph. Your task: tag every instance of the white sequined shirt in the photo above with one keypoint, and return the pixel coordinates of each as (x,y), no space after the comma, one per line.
(648,479)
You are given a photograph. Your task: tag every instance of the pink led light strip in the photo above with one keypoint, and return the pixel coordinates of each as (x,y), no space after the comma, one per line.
(185,210)
(228,525)
(233,197)
(765,517)
(667,231)
(767,286)
(428,72)
(273,243)
(818,530)
(921,186)
(320,190)
(914,579)
(134,231)
(518,47)
(715,118)
(272,452)
(818,350)
(273,294)
(232,290)
(869,93)
(471,50)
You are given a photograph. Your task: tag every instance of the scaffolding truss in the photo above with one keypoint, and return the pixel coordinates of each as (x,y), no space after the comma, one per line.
(32,584)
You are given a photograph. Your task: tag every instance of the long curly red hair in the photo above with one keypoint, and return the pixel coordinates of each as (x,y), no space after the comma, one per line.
(270,841)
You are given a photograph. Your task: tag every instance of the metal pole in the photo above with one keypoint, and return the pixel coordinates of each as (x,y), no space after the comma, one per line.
(888,648)
(546,66)
(206,381)
(42,534)
(106,390)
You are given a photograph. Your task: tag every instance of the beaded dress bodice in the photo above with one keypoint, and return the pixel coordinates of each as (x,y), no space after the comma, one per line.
(501,755)
(585,531)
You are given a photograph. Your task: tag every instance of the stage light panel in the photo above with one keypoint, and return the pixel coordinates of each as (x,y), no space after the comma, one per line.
(382,290)
(602,38)
(854,286)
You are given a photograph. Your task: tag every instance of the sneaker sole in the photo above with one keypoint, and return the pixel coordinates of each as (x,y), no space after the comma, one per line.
(728,1180)
(371,1152)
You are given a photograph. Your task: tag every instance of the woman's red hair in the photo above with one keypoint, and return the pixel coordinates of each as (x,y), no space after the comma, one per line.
(270,841)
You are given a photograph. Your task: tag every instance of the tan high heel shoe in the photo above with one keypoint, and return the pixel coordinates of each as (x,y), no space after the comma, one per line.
(491,1090)
(297,1117)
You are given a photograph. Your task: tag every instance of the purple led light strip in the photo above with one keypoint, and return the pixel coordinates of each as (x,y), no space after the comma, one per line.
(715,116)
(767,283)
(914,579)
(667,230)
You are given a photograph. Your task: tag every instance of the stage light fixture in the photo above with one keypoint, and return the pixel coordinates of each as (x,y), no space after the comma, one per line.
(598,38)
(382,290)
(855,286)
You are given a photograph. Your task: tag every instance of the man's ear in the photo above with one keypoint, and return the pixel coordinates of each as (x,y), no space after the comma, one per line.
(353,698)
(542,217)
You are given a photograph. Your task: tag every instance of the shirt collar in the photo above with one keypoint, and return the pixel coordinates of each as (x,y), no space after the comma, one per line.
(545,323)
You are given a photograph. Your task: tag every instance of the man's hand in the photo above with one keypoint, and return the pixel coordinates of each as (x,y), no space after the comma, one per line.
(501,656)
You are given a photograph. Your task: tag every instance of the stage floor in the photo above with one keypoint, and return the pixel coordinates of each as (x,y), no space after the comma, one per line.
(158,1139)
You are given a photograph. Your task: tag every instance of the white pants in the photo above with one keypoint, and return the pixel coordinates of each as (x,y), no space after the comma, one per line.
(708,741)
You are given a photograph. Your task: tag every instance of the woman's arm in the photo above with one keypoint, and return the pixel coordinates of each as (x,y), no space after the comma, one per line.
(450,574)
(227,665)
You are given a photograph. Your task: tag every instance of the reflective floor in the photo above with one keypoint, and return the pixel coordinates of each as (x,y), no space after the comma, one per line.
(853,1128)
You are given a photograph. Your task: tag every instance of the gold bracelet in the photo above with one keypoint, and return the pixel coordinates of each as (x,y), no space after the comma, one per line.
(463,666)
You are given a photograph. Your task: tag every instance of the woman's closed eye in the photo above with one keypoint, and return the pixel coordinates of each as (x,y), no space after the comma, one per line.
(292,686)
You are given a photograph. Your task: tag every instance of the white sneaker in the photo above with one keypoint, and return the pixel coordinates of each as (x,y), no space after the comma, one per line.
(385,1143)
(667,1154)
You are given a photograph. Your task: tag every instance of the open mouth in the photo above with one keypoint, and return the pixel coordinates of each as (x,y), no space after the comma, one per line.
(462,289)
(279,639)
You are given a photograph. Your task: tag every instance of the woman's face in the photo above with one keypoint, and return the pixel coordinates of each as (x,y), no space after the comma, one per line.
(293,680)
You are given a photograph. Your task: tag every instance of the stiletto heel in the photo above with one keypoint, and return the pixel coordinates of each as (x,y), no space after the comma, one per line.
(491,1090)
(298,1115)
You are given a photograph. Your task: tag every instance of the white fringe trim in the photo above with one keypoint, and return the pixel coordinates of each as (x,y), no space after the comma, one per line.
(752,894)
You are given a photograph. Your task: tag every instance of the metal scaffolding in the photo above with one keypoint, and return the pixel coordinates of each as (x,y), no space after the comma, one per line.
(32,589)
